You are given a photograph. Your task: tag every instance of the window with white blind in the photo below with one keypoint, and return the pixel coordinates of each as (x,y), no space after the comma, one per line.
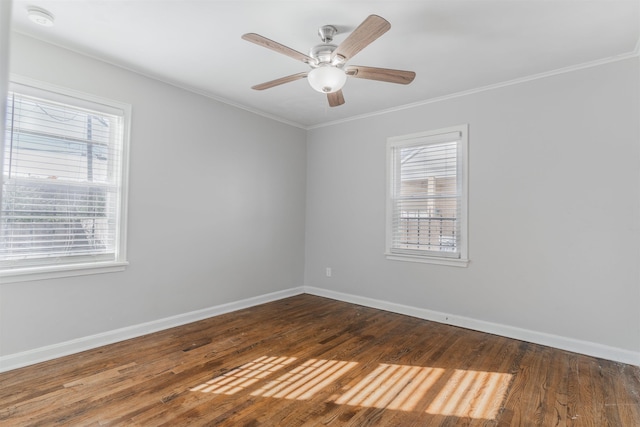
(427,197)
(64,171)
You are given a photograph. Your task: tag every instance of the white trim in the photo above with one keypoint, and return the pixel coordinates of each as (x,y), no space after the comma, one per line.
(41,354)
(453,262)
(80,99)
(5,47)
(458,134)
(57,271)
(61,93)
(542,338)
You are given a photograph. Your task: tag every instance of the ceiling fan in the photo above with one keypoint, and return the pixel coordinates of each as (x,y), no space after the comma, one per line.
(329,71)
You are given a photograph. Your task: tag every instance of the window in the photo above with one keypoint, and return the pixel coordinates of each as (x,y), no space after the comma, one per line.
(64,186)
(427,197)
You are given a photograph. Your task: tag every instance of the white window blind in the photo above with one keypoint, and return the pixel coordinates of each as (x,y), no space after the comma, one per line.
(62,188)
(427,195)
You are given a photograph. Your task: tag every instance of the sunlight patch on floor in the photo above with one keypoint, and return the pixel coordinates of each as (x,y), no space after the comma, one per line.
(242,377)
(305,380)
(438,391)
(474,394)
(392,386)
(461,393)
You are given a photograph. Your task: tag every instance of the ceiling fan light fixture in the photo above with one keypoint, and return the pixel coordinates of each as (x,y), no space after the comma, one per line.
(327,79)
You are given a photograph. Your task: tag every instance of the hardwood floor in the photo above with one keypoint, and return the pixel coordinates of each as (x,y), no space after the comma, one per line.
(311,361)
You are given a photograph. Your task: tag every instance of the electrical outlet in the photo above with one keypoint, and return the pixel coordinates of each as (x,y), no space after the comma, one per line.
(328,271)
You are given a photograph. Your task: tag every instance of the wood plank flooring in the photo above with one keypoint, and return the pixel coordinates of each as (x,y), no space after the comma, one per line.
(311,361)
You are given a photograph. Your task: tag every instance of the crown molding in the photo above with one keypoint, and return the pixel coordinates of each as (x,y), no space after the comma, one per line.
(517,81)
(168,81)
(569,69)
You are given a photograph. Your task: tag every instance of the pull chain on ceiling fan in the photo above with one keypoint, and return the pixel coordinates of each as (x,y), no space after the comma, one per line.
(329,72)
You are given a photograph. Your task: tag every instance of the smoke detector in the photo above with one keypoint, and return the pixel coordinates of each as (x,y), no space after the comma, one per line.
(40,16)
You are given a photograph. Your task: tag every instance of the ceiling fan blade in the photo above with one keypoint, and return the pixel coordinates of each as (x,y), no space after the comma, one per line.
(281,80)
(275,46)
(381,74)
(370,29)
(335,98)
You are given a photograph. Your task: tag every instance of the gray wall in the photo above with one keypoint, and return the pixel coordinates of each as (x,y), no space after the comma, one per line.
(554,208)
(219,198)
(216,209)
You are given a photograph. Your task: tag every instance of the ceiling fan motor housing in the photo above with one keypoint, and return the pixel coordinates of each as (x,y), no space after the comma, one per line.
(322,54)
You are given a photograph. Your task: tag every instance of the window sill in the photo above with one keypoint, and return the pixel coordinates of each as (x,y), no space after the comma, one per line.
(453,262)
(59,271)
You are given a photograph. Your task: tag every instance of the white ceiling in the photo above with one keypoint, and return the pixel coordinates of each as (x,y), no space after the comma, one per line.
(453,46)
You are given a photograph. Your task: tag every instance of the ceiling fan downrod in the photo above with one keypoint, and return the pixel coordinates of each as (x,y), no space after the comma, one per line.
(326,33)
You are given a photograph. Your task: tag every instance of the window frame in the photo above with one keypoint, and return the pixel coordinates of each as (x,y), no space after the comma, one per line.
(59,267)
(461,259)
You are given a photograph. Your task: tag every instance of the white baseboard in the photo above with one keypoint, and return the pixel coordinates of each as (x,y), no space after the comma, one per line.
(41,354)
(563,343)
